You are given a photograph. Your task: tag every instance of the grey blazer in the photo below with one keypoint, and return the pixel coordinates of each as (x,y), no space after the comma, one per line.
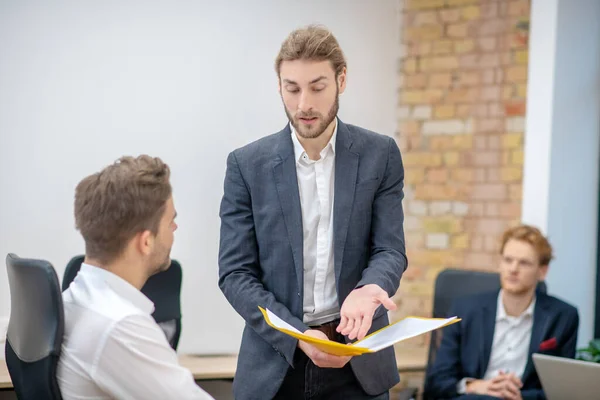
(261,249)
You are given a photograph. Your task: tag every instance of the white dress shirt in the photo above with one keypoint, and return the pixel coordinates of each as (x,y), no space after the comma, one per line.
(510,348)
(316,186)
(113,348)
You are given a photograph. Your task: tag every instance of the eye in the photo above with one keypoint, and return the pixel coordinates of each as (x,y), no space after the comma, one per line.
(292,89)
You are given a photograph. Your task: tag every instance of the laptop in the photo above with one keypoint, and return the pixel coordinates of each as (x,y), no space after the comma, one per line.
(565,378)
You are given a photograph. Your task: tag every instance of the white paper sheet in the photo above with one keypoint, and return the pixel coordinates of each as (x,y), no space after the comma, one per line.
(405,329)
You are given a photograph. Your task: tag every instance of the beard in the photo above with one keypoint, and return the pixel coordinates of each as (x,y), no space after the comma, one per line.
(314,131)
(161,262)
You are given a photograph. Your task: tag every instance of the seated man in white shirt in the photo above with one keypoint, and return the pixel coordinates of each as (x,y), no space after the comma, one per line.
(112,346)
(488,354)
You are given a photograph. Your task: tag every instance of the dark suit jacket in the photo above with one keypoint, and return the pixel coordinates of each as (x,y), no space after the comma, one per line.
(261,248)
(466,346)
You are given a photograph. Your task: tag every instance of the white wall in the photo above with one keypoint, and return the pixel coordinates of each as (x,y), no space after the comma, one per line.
(562,145)
(82,83)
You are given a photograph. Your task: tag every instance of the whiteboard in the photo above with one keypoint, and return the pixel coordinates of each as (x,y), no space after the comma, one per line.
(82,83)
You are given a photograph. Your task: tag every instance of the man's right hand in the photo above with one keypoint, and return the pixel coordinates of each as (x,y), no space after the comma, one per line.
(504,386)
(318,357)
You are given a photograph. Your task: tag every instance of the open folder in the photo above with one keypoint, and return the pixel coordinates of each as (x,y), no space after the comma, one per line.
(404,329)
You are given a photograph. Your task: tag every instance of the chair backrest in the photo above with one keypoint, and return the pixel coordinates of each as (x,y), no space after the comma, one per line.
(452,284)
(163,288)
(35,328)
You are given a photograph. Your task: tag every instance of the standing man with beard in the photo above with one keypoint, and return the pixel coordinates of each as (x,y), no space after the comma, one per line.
(112,347)
(312,229)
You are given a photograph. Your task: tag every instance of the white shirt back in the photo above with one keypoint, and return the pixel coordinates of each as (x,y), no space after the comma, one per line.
(113,348)
(316,181)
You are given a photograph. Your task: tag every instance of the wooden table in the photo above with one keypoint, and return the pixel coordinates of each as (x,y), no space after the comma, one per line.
(223,366)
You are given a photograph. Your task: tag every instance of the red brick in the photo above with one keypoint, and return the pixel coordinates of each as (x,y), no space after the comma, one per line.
(515,108)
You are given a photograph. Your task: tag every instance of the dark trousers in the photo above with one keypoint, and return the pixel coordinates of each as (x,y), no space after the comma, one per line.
(306,381)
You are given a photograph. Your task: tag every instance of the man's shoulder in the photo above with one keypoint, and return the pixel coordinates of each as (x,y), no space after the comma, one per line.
(264,146)
(557,305)
(89,304)
(369,137)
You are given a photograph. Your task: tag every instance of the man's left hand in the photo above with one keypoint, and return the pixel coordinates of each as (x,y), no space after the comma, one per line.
(357,310)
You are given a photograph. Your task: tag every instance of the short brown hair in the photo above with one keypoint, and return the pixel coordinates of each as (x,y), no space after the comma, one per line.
(314,43)
(533,236)
(125,198)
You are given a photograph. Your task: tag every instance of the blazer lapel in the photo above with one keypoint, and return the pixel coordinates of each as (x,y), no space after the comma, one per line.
(346,170)
(286,180)
(488,316)
(541,319)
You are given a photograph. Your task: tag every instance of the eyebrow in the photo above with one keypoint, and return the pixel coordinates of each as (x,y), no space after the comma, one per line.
(320,78)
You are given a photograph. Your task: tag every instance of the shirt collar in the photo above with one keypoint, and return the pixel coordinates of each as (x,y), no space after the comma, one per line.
(501,311)
(299,151)
(120,286)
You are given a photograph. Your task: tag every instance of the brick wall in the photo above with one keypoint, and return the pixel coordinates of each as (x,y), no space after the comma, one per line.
(463,76)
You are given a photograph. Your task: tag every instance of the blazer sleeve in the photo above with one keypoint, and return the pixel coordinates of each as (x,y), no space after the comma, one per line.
(388,253)
(239,268)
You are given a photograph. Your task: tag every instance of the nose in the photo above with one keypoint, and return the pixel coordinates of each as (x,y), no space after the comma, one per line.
(305,103)
(513,266)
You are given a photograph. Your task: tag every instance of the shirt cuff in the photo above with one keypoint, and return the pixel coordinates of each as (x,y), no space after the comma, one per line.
(461,386)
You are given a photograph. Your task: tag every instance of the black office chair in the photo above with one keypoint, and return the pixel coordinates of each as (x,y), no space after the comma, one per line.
(164,289)
(452,284)
(35,328)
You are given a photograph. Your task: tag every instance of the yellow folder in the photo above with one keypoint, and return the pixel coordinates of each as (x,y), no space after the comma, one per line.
(401,330)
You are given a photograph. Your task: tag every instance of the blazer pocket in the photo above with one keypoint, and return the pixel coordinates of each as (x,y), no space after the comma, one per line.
(367,183)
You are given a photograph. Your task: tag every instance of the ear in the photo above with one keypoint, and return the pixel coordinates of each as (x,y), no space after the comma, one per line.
(341,80)
(279,85)
(145,242)
(542,272)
